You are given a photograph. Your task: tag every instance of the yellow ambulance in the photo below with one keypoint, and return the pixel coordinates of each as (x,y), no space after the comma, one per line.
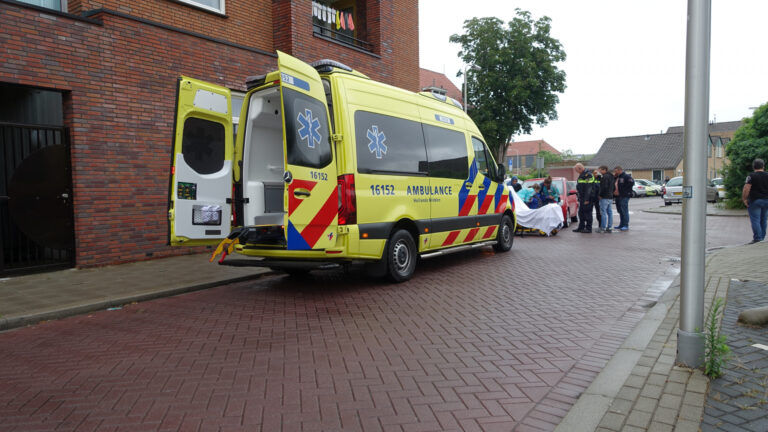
(328,168)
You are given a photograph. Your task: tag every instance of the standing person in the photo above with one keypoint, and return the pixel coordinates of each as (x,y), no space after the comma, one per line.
(516,184)
(596,175)
(624,183)
(585,191)
(549,192)
(755,197)
(607,186)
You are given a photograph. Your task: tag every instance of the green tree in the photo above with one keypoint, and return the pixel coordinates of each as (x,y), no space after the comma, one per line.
(749,143)
(518,79)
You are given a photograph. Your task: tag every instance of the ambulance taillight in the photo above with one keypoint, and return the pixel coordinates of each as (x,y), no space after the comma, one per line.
(347,200)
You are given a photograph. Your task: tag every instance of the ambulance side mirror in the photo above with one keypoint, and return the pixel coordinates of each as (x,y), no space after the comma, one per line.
(502,172)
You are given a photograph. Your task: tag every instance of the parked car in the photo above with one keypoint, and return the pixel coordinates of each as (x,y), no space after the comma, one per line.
(638,190)
(673,192)
(718,184)
(651,188)
(569,202)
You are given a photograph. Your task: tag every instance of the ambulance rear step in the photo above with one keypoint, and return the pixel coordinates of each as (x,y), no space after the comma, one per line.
(457,249)
(282,264)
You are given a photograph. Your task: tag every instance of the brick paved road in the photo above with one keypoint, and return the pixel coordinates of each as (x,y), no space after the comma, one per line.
(476,341)
(738,400)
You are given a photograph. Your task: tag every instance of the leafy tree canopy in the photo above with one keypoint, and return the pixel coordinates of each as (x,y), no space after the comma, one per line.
(749,143)
(518,79)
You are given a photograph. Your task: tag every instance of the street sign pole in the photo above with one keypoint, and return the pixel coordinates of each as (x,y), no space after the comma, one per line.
(690,340)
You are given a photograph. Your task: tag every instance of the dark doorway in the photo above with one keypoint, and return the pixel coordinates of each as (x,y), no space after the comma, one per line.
(36,221)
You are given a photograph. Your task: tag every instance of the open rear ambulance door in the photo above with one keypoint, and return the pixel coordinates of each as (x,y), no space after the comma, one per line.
(199,210)
(311,195)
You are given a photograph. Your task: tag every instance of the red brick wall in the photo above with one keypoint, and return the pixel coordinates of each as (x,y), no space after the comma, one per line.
(247,22)
(391,26)
(120,84)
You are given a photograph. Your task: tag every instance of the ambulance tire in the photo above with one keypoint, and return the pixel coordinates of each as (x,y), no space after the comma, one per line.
(401,256)
(506,235)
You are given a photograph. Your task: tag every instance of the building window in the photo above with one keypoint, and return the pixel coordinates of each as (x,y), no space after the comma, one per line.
(59,5)
(341,20)
(211,5)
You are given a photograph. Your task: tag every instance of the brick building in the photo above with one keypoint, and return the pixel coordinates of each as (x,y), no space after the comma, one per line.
(87,100)
(520,156)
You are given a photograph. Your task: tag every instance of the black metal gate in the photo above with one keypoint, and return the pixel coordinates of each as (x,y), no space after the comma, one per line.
(36,221)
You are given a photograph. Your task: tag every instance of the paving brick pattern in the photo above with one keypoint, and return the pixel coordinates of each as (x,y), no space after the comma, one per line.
(476,341)
(738,401)
(659,396)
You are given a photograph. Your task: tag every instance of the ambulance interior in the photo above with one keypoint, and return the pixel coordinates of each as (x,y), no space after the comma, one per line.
(263,161)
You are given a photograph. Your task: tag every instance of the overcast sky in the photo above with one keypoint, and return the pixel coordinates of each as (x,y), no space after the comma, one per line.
(625,62)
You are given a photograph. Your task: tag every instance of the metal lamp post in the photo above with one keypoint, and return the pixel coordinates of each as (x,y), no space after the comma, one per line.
(466,96)
(690,340)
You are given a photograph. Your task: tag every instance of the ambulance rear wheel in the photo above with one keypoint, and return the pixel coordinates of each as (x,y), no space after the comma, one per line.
(401,256)
(506,235)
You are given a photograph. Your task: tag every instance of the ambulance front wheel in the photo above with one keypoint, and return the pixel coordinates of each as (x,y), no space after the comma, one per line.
(401,256)
(505,236)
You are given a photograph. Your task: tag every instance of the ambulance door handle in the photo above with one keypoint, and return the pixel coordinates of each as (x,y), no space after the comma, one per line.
(468,185)
(301,192)
(481,187)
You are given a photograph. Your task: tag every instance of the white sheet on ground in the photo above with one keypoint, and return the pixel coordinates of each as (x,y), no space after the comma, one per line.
(545,218)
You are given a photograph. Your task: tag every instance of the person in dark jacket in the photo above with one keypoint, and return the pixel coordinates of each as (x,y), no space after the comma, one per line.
(624,183)
(516,184)
(597,176)
(586,192)
(605,195)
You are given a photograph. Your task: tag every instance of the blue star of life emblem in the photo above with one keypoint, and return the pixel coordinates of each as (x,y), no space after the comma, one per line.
(376,141)
(310,128)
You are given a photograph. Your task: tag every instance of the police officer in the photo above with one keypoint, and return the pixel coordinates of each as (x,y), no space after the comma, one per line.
(586,190)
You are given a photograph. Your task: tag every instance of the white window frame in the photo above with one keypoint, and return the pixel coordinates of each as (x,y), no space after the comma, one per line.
(206,7)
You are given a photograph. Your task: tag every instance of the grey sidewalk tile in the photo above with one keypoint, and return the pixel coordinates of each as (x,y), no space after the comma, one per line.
(642,371)
(635,381)
(691,412)
(695,399)
(687,426)
(670,401)
(620,406)
(665,415)
(652,391)
(659,427)
(679,376)
(674,388)
(628,393)
(698,383)
(646,404)
(657,380)
(639,419)
(612,421)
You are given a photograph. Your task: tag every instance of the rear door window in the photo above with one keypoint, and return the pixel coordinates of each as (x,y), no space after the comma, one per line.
(203,145)
(306,134)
